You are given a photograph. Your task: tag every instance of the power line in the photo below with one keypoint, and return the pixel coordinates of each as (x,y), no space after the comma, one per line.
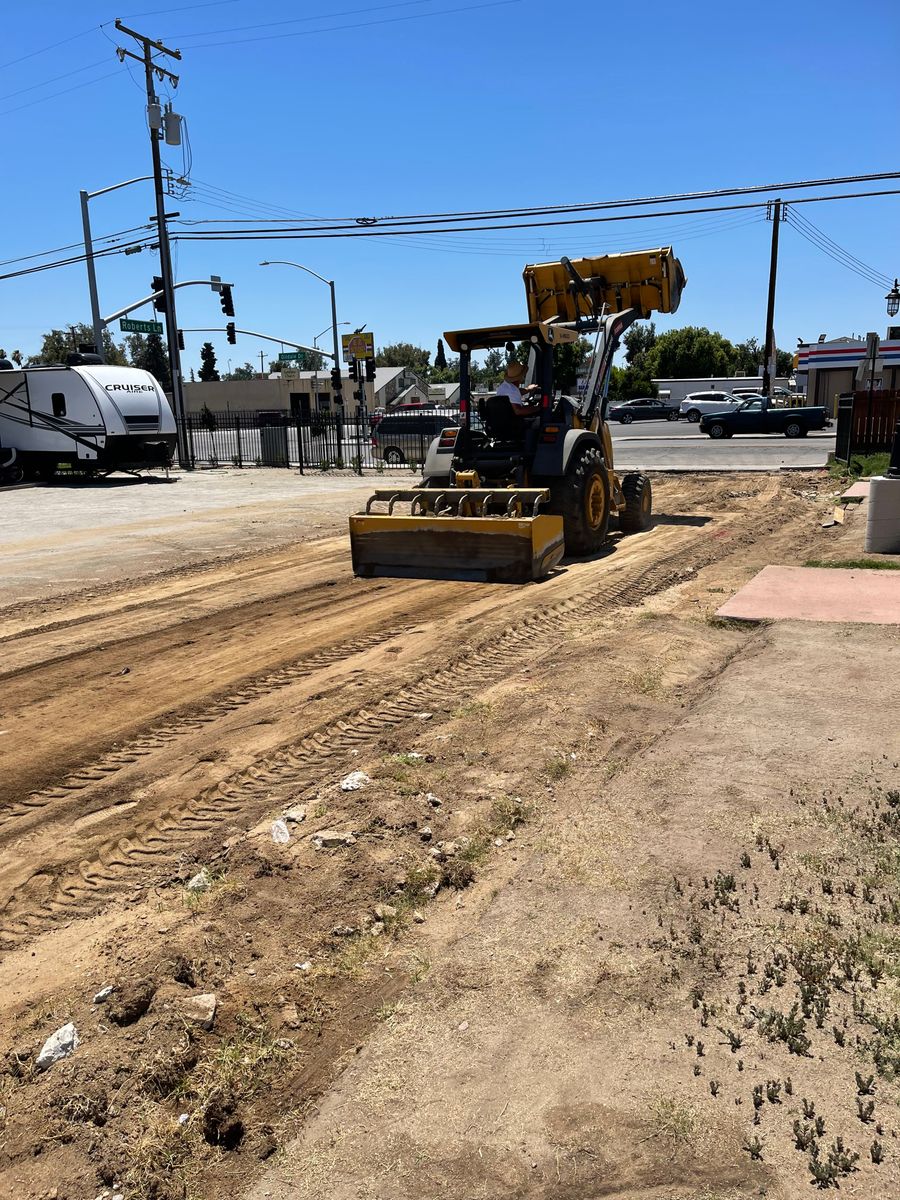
(604,205)
(108,237)
(805,226)
(63,92)
(54,79)
(344,231)
(143,243)
(53,45)
(271,37)
(349,12)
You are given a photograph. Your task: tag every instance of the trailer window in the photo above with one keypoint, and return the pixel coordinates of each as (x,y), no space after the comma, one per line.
(59,404)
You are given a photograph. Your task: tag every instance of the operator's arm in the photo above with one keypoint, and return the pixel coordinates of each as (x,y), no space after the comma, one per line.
(522,409)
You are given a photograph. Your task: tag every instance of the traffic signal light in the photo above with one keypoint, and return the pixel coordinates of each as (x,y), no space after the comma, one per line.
(370,369)
(157,286)
(336,382)
(229,333)
(354,369)
(226,301)
(180,339)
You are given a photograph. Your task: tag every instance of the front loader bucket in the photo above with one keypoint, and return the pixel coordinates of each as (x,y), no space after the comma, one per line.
(490,535)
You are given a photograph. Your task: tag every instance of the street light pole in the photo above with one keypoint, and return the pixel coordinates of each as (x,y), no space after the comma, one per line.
(338,396)
(96,319)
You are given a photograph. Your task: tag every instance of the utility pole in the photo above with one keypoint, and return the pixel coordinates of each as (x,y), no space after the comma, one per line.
(262,356)
(769,357)
(154,111)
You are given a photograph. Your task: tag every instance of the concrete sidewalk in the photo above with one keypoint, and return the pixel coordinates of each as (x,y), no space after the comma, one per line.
(68,536)
(818,594)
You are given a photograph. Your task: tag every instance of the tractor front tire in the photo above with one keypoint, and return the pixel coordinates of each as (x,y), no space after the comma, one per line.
(582,499)
(637,515)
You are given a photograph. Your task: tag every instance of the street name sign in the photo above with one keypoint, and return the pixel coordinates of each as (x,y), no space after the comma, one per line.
(127,326)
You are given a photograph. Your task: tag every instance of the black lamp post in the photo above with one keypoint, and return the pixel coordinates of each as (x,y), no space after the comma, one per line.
(893,299)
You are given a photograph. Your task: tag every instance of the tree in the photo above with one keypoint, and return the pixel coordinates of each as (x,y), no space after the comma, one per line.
(17,357)
(487,375)
(440,358)
(244,372)
(784,362)
(208,372)
(692,352)
(149,354)
(59,343)
(639,341)
(404,354)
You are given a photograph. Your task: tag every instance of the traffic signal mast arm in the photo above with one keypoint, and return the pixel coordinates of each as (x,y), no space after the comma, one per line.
(267,337)
(155,296)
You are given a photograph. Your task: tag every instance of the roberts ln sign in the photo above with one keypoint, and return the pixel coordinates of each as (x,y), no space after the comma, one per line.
(127,326)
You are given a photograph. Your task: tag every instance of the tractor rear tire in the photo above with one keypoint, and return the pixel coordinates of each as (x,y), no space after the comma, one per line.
(581,497)
(637,515)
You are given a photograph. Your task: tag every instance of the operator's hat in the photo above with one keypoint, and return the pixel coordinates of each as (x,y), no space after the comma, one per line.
(515,371)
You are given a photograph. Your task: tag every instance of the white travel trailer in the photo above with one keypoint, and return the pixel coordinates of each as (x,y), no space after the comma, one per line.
(87,415)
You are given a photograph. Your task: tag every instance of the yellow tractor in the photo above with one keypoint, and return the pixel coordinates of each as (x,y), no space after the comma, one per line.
(503,499)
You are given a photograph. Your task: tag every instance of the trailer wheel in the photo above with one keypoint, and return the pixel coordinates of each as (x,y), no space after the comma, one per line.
(637,515)
(582,499)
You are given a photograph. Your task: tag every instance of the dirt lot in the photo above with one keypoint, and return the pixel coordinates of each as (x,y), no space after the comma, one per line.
(616,914)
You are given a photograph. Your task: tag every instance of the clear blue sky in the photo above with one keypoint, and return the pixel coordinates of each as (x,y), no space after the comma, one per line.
(414,108)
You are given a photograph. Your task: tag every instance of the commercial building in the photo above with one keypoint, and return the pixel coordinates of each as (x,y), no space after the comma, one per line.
(678,389)
(305,392)
(829,368)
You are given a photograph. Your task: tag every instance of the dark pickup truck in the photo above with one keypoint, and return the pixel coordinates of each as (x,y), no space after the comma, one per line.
(759,415)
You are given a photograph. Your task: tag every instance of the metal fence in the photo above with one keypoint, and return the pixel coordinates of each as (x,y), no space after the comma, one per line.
(866,422)
(315,441)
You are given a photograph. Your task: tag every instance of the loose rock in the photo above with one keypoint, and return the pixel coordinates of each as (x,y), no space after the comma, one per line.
(425,833)
(433,800)
(199,1010)
(58,1045)
(328,839)
(100,996)
(295,815)
(200,882)
(418,917)
(354,781)
(384,912)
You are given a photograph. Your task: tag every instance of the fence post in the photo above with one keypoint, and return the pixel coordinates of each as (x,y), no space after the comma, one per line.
(359,421)
(240,452)
(300,442)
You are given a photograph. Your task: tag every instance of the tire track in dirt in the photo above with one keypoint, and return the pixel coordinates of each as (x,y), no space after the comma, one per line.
(309,759)
(159,735)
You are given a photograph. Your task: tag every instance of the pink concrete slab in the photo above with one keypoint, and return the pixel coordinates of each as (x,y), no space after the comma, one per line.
(818,594)
(858,491)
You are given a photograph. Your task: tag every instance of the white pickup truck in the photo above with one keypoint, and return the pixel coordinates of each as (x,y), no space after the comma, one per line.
(697,404)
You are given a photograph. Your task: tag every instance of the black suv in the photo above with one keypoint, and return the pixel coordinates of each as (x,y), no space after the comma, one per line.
(404,437)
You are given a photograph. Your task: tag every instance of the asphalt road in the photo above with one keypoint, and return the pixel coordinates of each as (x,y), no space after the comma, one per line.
(679,445)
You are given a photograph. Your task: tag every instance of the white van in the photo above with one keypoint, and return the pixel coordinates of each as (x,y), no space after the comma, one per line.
(87,415)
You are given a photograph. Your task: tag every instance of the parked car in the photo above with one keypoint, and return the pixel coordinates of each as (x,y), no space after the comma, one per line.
(697,403)
(645,409)
(764,416)
(404,437)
